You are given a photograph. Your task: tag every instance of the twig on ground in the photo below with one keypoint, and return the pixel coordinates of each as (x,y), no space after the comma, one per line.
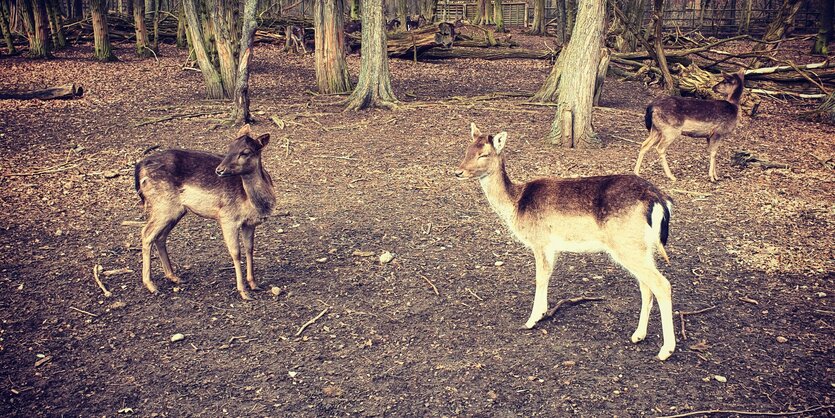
(178,116)
(624,139)
(83,311)
(337,157)
(435,289)
(731,411)
(691,193)
(572,301)
(96,270)
(746,299)
(309,323)
(132,223)
(681,315)
(49,170)
(473,293)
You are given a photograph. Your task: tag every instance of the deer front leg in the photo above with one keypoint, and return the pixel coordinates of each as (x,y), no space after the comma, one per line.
(230,236)
(643,319)
(713,148)
(248,233)
(544,268)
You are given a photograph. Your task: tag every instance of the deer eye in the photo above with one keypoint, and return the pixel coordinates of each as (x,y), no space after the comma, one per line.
(245,153)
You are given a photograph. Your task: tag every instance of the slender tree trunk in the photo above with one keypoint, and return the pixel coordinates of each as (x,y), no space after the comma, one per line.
(56,24)
(498,16)
(182,41)
(331,68)
(101,35)
(4,25)
(143,47)
(572,126)
(570,18)
(374,85)
(155,19)
(214,87)
(778,28)
(355,9)
(401,14)
(242,114)
(657,50)
(35,21)
(223,43)
(538,24)
(824,27)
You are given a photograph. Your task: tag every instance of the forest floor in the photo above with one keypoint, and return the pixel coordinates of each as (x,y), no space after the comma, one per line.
(435,332)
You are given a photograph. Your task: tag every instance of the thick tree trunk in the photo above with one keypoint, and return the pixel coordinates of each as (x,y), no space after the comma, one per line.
(242,114)
(182,39)
(498,16)
(35,21)
(572,125)
(101,35)
(401,15)
(56,25)
(223,42)
(331,68)
(143,47)
(538,24)
(214,87)
(778,28)
(549,91)
(824,27)
(4,25)
(374,85)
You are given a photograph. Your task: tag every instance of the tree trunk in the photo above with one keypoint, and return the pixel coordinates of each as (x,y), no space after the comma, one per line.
(549,91)
(657,50)
(223,42)
(155,20)
(242,114)
(778,27)
(374,85)
(56,24)
(331,68)
(570,19)
(538,24)
(824,27)
(214,87)
(101,35)
(498,16)
(572,126)
(355,9)
(401,15)
(182,40)
(4,25)
(143,48)
(34,18)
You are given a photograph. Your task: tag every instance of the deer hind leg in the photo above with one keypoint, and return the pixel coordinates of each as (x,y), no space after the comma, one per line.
(713,148)
(162,249)
(667,138)
(230,236)
(652,140)
(643,320)
(642,266)
(248,233)
(544,268)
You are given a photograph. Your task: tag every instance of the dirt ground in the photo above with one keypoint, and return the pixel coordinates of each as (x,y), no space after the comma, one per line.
(754,249)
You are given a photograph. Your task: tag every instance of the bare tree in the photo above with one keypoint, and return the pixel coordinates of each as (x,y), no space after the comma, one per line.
(374,85)
(211,76)
(779,26)
(571,82)
(6,27)
(56,24)
(538,24)
(498,16)
(101,34)
(824,27)
(329,37)
(35,20)
(143,48)
(242,114)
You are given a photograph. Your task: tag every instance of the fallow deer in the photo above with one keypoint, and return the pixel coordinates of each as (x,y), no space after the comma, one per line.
(234,189)
(622,215)
(668,117)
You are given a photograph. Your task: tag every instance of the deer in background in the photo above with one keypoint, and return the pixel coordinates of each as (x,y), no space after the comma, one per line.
(622,215)
(234,189)
(668,117)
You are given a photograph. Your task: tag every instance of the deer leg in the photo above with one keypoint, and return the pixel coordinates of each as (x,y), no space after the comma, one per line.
(152,229)
(666,140)
(652,139)
(248,233)
(230,236)
(643,319)
(162,249)
(544,268)
(713,147)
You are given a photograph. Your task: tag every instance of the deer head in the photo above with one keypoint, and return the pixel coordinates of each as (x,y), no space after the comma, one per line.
(483,155)
(730,83)
(243,155)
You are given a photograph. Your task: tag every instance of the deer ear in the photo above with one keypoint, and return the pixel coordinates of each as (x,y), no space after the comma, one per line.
(474,131)
(263,140)
(741,73)
(245,130)
(499,141)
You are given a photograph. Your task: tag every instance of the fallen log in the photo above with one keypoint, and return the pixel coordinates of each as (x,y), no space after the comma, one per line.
(66,91)
(489,54)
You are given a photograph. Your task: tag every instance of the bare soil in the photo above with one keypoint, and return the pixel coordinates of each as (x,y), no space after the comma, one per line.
(756,247)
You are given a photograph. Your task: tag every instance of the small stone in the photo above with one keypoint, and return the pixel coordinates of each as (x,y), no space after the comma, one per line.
(569,363)
(117,305)
(275,290)
(279,231)
(720,378)
(360,253)
(58,232)
(386,257)
(321,260)
(782,339)
(821,294)
(292,374)
(498,263)
(110,174)
(492,395)
(177,337)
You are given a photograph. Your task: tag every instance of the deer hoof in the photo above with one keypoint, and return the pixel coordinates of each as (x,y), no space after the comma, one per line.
(245,296)
(665,353)
(174,279)
(254,287)
(636,337)
(151,287)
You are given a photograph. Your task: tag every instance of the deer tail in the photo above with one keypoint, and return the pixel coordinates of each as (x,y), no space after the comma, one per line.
(659,215)
(648,117)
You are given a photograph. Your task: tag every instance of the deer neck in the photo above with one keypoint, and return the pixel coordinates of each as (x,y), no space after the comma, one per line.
(735,96)
(501,193)
(259,190)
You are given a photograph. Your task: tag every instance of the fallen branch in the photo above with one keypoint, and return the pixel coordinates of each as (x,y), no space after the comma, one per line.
(310,322)
(96,270)
(682,314)
(123,270)
(177,116)
(49,170)
(431,284)
(572,301)
(732,411)
(83,311)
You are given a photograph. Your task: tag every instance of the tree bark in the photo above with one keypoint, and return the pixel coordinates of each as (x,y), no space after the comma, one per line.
(35,20)
(214,87)
(821,46)
(331,69)
(778,27)
(101,35)
(242,114)
(657,50)
(374,85)
(143,47)
(155,20)
(401,15)
(56,24)
(182,39)
(538,24)
(355,9)
(576,82)
(223,42)
(498,16)
(4,25)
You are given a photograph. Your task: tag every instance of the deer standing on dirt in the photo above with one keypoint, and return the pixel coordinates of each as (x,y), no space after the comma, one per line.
(668,117)
(622,215)
(234,189)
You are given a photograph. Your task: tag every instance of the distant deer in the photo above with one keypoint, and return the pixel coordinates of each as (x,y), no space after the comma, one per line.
(393,25)
(668,117)
(234,189)
(622,215)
